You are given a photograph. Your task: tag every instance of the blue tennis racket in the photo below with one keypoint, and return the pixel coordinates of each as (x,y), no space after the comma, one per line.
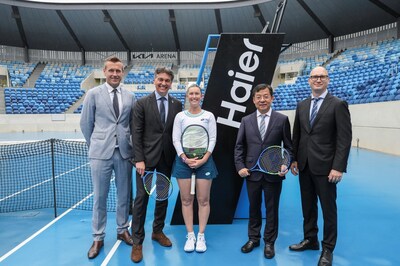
(273,160)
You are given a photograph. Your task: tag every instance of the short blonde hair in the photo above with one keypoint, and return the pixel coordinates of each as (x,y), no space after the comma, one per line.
(113,59)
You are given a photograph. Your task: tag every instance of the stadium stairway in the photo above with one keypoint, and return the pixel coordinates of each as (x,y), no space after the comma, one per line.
(126,70)
(2,102)
(334,56)
(75,106)
(34,76)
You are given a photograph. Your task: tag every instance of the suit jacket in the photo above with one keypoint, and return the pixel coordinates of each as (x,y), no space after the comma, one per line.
(327,144)
(249,143)
(150,137)
(101,128)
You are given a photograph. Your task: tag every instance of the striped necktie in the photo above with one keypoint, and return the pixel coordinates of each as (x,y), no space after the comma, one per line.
(262,126)
(314,110)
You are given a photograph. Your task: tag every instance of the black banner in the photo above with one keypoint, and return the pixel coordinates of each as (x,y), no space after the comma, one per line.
(241,62)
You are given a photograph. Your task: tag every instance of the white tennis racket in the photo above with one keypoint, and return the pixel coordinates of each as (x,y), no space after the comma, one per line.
(195,142)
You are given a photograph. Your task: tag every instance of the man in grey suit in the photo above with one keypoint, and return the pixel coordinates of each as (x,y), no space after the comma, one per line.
(152,139)
(321,145)
(257,131)
(106,125)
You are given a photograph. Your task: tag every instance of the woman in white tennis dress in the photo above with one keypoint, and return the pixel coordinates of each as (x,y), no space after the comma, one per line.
(204,168)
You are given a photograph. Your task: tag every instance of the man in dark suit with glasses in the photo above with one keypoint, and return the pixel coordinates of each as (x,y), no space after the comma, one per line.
(321,144)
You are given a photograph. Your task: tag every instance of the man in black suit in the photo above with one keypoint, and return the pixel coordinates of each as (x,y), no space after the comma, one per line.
(321,145)
(259,130)
(153,118)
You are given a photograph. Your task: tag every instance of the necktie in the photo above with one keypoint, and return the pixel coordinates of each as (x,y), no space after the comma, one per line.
(262,126)
(314,110)
(162,110)
(115,103)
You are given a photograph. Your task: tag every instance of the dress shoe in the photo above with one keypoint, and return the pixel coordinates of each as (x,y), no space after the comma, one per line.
(125,237)
(95,249)
(304,245)
(248,247)
(326,258)
(136,253)
(269,251)
(162,239)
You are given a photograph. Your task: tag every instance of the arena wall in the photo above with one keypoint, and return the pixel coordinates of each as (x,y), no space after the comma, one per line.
(376,126)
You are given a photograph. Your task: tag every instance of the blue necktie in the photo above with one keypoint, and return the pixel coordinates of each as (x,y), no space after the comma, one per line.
(262,126)
(162,110)
(314,111)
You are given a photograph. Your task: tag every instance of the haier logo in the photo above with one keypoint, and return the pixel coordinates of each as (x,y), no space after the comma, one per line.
(248,63)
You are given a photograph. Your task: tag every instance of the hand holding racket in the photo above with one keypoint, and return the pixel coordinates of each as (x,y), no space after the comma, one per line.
(194,142)
(274,160)
(157,185)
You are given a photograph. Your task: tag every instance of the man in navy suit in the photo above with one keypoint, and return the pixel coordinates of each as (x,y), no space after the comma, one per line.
(321,145)
(106,125)
(153,120)
(249,145)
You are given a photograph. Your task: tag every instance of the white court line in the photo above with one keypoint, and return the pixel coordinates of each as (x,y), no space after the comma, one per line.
(47,226)
(111,253)
(113,250)
(41,183)
(42,229)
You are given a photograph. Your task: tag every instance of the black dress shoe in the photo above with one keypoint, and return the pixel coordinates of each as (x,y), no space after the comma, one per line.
(248,247)
(304,245)
(326,258)
(125,237)
(269,251)
(95,249)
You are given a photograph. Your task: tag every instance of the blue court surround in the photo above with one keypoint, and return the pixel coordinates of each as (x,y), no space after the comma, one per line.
(369,215)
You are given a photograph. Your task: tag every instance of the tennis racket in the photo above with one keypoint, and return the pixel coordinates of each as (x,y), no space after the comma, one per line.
(272,160)
(194,142)
(157,185)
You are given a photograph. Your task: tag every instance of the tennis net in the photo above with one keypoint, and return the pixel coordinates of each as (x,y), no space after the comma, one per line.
(47,174)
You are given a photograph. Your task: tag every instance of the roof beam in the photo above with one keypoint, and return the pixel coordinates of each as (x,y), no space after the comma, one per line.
(69,29)
(218,19)
(17,16)
(150,5)
(172,20)
(314,17)
(258,14)
(108,18)
(385,8)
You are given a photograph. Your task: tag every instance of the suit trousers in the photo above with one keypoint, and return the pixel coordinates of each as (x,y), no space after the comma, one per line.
(312,188)
(101,176)
(272,192)
(140,206)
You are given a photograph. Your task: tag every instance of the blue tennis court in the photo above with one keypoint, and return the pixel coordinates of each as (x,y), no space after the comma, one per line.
(368,209)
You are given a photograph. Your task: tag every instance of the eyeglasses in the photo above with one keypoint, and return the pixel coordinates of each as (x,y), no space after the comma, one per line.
(322,77)
(262,97)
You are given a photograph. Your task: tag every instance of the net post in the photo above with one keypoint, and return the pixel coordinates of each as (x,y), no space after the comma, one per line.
(53,177)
